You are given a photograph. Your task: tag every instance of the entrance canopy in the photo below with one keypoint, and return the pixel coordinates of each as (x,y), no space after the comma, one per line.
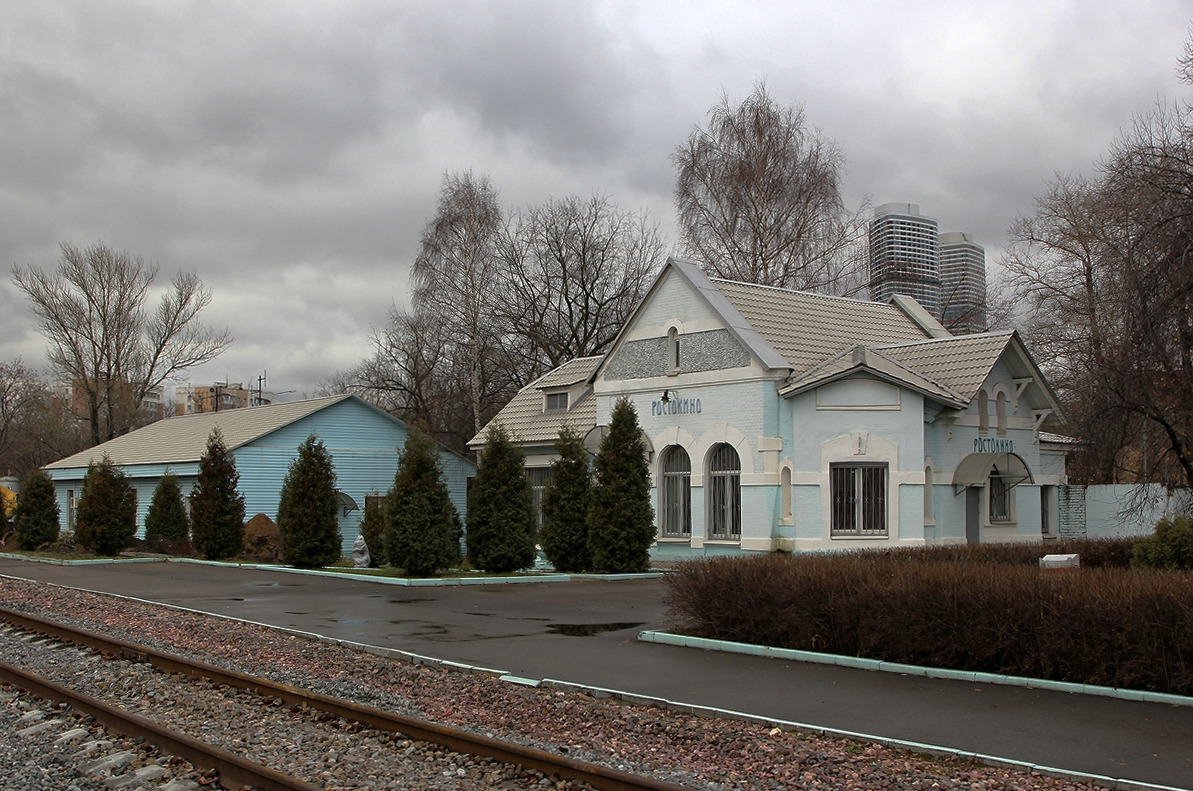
(976,468)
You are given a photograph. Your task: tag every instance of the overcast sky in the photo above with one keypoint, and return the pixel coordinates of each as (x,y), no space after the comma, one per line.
(291,152)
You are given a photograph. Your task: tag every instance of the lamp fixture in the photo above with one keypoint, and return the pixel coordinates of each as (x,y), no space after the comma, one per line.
(666,397)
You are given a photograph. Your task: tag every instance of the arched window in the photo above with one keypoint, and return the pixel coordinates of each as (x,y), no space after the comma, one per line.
(675,494)
(983,412)
(673,350)
(785,488)
(724,493)
(929,484)
(1000,413)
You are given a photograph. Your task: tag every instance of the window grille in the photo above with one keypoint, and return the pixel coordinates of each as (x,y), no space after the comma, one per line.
(539,477)
(1000,498)
(858,494)
(675,494)
(724,493)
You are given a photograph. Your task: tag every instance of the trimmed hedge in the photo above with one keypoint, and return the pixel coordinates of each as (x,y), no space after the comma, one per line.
(1106,626)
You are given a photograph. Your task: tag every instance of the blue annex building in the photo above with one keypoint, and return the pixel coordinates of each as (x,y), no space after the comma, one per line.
(363,441)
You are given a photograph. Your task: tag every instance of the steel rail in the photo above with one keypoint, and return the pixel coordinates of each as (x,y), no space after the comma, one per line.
(455,739)
(234,771)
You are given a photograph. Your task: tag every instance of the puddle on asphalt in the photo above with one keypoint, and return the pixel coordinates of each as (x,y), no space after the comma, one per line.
(588,629)
(407,601)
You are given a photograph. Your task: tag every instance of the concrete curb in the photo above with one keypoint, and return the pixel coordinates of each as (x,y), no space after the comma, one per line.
(666,638)
(412,582)
(1117,784)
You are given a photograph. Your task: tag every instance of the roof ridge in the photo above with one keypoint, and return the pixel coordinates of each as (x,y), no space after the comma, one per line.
(920,374)
(560,367)
(800,292)
(951,338)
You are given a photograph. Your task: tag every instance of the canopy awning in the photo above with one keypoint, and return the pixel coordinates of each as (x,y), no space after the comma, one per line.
(346,502)
(976,468)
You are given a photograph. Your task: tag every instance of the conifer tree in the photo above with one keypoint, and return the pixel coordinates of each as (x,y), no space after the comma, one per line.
(564,535)
(37,515)
(421,522)
(500,509)
(107,516)
(372,527)
(310,533)
(217,508)
(620,518)
(167,515)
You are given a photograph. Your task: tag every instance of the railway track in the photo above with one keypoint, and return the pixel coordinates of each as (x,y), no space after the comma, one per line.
(236,771)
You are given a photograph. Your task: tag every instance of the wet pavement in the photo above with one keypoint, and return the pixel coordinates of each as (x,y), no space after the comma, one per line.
(585,632)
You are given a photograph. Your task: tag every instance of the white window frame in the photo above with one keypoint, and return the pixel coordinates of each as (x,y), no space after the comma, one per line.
(853,511)
(552,404)
(675,493)
(1000,495)
(539,478)
(722,485)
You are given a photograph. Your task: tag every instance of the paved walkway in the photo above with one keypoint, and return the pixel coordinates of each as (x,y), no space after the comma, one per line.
(535,631)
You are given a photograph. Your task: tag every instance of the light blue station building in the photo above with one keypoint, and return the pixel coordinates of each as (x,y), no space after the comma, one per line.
(784,420)
(363,441)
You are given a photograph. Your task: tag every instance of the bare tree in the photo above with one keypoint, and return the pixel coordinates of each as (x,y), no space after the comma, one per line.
(573,271)
(21,390)
(35,428)
(92,309)
(759,200)
(455,271)
(1106,267)
(410,375)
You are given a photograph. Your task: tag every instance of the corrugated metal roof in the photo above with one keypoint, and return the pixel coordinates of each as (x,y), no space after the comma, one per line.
(809,328)
(526,422)
(183,439)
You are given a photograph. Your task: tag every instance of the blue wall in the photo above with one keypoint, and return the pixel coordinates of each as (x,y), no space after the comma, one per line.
(363,442)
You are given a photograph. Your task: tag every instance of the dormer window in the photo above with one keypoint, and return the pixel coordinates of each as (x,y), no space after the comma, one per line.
(557,401)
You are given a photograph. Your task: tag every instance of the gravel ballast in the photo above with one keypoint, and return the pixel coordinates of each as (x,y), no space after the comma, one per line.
(700,752)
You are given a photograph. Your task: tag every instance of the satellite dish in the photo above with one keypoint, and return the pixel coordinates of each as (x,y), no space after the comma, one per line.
(596,434)
(647,444)
(594,437)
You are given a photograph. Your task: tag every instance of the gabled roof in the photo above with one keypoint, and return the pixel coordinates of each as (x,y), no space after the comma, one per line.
(963,363)
(183,439)
(524,419)
(572,372)
(796,330)
(875,364)
(806,328)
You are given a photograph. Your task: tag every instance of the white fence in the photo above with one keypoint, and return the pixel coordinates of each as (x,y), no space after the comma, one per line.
(1118,510)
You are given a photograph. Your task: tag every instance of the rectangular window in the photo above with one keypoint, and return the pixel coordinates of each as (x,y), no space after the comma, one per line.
(539,478)
(1000,499)
(858,499)
(557,401)
(675,500)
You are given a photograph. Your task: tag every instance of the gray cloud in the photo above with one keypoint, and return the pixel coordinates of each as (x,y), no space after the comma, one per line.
(290,153)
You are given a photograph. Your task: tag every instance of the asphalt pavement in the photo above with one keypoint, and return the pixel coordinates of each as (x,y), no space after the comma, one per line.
(585,632)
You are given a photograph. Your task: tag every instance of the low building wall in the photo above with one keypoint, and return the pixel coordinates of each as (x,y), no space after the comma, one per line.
(1118,510)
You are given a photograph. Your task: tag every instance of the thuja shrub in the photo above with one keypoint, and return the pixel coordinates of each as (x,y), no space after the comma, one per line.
(1170,547)
(1110,627)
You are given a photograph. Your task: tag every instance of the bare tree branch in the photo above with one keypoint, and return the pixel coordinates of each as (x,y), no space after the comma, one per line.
(92,311)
